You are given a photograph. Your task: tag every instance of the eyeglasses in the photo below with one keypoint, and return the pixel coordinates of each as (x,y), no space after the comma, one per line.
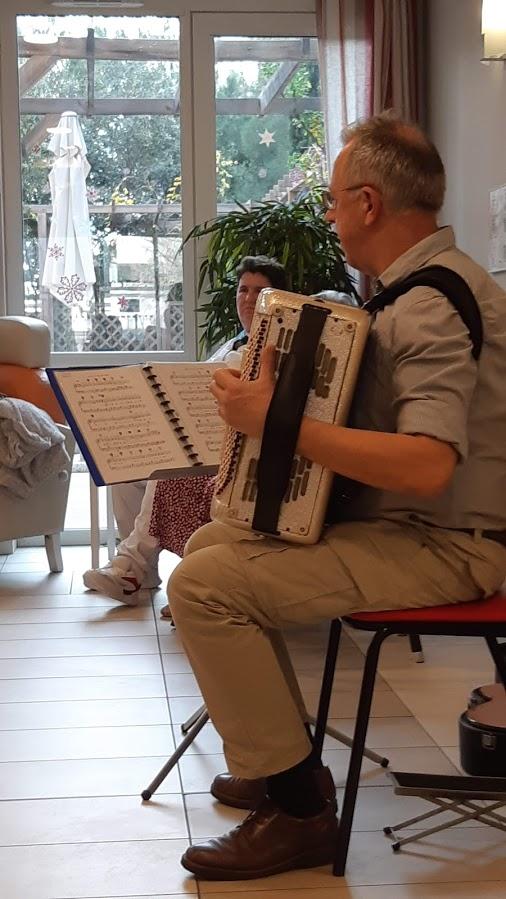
(329,202)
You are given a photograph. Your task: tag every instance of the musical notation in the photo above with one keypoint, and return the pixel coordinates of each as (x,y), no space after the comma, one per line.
(135,420)
(120,417)
(187,386)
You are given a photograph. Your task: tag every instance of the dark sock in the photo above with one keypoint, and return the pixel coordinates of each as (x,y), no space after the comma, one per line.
(296,791)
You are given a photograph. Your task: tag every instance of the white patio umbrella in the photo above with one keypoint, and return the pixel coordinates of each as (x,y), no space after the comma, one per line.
(68,269)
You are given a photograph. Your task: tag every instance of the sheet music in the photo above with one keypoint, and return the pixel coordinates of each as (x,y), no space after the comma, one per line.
(122,423)
(186,385)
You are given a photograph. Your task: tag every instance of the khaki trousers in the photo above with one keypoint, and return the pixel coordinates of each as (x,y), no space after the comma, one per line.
(234,591)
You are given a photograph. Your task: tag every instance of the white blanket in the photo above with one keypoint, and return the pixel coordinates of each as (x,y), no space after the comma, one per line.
(31,446)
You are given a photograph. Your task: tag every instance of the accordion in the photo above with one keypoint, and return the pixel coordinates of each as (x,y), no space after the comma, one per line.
(336,347)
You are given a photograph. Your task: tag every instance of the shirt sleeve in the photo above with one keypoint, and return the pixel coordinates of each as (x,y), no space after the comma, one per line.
(434,372)
(221,352)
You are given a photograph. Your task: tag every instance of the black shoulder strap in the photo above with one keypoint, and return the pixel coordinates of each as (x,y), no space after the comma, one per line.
(446,282)
(284,416)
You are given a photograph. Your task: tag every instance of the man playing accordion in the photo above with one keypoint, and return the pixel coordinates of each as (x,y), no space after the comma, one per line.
(427,526)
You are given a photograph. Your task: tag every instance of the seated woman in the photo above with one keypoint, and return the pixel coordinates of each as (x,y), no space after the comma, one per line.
(171,510)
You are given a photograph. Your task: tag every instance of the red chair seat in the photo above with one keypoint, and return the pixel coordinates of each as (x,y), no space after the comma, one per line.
(491,609)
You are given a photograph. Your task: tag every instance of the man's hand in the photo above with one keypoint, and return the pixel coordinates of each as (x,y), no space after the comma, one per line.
(244,404)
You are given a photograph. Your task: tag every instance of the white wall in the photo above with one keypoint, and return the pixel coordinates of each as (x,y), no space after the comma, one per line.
(466,119)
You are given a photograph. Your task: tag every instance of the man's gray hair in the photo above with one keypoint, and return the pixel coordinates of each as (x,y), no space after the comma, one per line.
(399,160)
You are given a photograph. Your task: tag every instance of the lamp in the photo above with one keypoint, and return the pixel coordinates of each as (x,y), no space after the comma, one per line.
(493,27)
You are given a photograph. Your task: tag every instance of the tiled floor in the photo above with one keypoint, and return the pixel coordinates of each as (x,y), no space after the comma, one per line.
(91,696)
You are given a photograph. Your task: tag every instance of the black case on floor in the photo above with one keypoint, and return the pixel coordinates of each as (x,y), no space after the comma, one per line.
(482,732)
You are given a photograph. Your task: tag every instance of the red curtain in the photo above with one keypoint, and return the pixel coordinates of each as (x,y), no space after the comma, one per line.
(370,60)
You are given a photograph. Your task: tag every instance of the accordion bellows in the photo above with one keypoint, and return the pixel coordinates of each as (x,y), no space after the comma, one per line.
(336,367)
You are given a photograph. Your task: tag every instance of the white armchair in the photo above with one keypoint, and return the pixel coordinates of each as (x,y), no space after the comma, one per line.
(24,353)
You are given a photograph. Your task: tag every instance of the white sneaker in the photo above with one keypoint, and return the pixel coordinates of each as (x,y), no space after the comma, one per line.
(119,584)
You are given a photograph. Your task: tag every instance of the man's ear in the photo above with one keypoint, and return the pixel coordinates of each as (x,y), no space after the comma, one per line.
(372,204)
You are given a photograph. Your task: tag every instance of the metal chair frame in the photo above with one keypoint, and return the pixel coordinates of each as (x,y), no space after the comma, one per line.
(490,631)
(192,727)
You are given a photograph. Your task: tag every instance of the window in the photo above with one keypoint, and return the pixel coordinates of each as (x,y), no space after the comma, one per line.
(181,118)
(269,124)
(101,261)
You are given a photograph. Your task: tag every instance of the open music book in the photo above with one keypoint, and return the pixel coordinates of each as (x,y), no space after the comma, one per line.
(138,422)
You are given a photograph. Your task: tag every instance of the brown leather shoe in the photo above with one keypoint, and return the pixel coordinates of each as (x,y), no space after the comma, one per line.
(237,791)
(241,793)
(267,842)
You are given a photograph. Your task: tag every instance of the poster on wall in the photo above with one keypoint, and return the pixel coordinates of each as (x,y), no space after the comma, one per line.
(497,244)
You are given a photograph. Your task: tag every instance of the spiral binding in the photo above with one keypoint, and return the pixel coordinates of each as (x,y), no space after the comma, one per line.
(174,419)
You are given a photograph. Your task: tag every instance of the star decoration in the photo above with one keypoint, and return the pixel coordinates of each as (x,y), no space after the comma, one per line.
(266,137)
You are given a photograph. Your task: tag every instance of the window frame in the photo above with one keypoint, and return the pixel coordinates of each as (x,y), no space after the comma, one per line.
(198,135)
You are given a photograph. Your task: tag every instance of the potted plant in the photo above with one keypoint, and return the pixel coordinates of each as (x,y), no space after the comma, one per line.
(296,234)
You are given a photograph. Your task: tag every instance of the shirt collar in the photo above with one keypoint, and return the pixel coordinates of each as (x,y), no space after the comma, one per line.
(418,256)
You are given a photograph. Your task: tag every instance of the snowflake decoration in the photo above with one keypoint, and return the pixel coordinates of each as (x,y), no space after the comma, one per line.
(56,252)
(71,289)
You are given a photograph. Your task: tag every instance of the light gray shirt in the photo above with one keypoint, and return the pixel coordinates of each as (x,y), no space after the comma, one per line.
(419,377)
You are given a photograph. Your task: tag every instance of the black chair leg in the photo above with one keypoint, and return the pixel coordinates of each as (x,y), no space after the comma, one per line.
(416,647)
(327,684)
(355,764)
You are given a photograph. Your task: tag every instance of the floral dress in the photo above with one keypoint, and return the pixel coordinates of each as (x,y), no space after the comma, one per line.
(180,507)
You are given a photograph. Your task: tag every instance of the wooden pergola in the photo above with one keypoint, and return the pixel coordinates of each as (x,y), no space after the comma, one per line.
(40,59)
